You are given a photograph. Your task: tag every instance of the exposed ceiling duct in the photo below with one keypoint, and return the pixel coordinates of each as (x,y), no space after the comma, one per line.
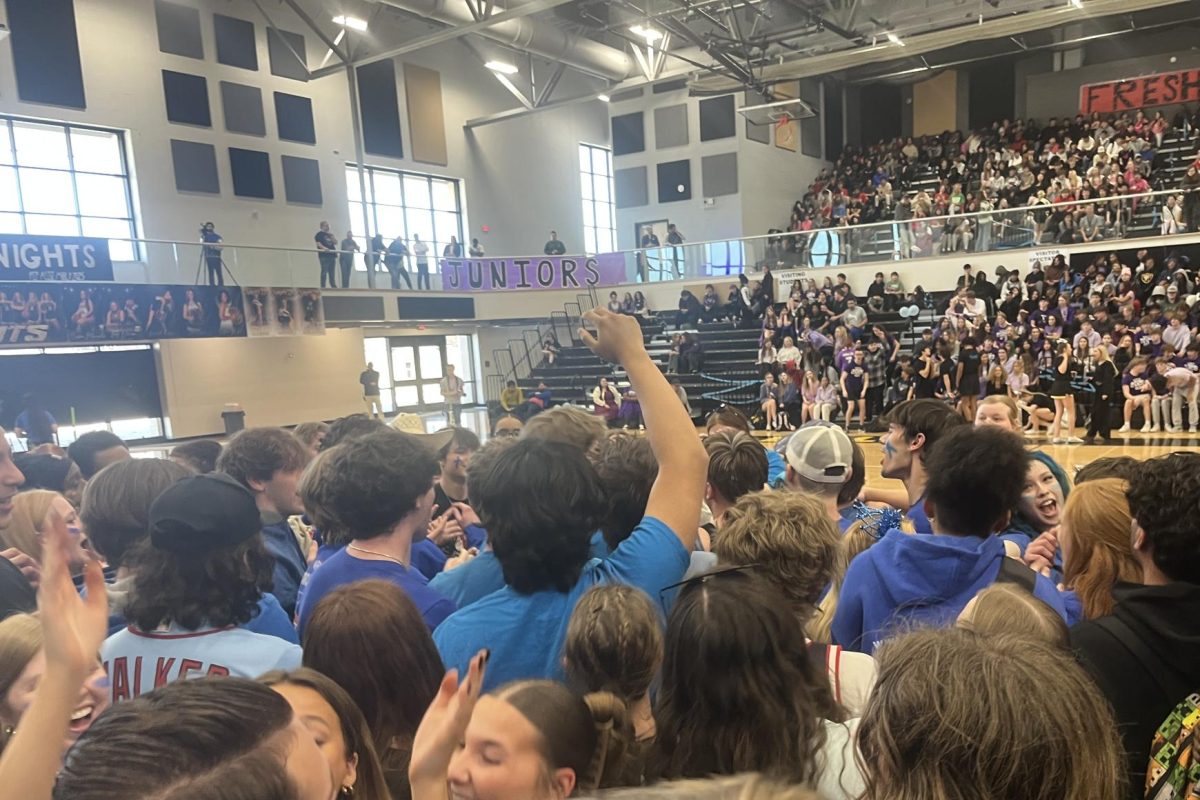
(823,64)
(531,35)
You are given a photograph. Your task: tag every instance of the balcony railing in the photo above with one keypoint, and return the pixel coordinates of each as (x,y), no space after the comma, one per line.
(1125,218)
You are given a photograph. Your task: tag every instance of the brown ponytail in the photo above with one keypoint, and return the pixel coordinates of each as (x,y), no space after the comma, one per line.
(610,765)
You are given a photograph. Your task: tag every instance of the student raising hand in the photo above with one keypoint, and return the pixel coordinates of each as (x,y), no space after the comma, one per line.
(618,337)
(442,729)
(72,629)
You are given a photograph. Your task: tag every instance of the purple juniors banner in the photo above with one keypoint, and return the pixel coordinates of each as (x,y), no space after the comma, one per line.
(532,272)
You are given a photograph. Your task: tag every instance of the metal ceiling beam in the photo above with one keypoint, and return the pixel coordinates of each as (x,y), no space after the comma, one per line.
(308,20)
(808,65)
(451,33)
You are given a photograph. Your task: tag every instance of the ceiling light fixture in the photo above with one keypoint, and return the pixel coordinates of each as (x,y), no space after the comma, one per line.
(1077,3)
(894,39)
(354,23)
(503,67)
(646,32)
(603,98)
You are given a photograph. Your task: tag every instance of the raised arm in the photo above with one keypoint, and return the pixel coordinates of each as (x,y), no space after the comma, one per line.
(682,461)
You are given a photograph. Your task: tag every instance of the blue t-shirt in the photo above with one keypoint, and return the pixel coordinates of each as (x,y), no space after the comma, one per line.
(472,581)
(525,632)
(776,469)
(922,579)
(342,568)
(917,516)
(427,558)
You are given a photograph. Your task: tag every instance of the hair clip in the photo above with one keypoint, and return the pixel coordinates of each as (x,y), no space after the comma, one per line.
(876,521)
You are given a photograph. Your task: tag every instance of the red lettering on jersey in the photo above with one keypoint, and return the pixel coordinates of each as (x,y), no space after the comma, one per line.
(137,676)
(120,679)
(161,670)
(187,665)
(217,669)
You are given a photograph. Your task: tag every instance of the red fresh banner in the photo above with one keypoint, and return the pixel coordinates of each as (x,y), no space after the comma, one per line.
(1162,89)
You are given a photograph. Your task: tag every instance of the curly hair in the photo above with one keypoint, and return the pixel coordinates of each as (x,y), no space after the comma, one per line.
(257,454)
(952,713)
(614,642)
(740,693)
(627,469)
(1164,498)
(219,588)
(542,543)
(737,464)
(792,540)
(350,427)
(364,486)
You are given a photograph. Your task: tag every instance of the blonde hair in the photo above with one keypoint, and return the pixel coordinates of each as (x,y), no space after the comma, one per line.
(569,425)
(20,641)
(614,642)
(790,537)
(952,715)
(1009,404)
(1005,608)
(857,539)
(1098,518)
(25,528)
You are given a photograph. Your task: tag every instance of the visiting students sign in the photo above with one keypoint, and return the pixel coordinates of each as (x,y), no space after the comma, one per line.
(54,258)
(528,273)
(1164,88)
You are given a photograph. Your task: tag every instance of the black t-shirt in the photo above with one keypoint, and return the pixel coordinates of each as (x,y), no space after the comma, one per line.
(327,241)
(970,363)
(370,382)
(443,501)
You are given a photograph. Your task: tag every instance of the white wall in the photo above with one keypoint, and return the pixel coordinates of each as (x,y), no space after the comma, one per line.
(277,380)
(520,177)
(769,179)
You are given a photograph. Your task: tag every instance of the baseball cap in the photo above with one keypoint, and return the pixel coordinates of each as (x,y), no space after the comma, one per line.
(820,452)
(413,425)
(203,513)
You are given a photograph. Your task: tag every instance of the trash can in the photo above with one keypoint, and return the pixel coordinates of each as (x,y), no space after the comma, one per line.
(234,417)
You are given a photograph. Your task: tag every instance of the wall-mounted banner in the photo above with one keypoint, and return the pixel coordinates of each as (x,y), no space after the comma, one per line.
(1042,258)
(532,272)
(284,312)
(1162,89)
(107,313)
(53,258)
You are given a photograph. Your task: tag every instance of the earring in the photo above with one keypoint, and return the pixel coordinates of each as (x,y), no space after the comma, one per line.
(347,791)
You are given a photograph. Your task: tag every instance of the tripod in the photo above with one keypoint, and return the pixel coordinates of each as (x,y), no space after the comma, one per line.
(216,271)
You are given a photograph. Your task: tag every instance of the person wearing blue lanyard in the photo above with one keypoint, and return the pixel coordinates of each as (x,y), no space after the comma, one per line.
(914,427)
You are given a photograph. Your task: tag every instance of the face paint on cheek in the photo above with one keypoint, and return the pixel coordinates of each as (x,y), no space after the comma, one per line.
(888,450)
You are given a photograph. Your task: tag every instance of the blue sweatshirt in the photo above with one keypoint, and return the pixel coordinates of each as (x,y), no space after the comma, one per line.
(908,579)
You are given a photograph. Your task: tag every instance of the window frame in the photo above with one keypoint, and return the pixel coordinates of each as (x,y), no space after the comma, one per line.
(371,205)
(590,202)
(7,121)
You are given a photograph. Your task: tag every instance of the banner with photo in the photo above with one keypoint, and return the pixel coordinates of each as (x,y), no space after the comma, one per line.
(272,311)
(106,313)
(54,258)
(532,273)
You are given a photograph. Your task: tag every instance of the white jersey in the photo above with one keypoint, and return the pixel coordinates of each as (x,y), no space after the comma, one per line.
(138,662)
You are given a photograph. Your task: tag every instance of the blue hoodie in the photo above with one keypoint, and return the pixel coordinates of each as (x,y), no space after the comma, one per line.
(908,579)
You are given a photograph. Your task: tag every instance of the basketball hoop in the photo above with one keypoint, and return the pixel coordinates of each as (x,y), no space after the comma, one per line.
(778,113)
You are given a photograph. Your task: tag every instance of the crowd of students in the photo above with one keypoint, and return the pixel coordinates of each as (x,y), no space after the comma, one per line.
(350,610)
(1013,183)
(1075,345)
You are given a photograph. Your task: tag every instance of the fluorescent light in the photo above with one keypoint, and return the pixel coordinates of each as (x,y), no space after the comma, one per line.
(1077,3)
(894,39)
(353,23)
(646,32)
(603,98)
(503,67)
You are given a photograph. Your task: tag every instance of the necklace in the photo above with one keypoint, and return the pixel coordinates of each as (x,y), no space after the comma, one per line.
(375,553)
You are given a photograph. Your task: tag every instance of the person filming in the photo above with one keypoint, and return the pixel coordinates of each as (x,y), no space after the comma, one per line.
(212,254)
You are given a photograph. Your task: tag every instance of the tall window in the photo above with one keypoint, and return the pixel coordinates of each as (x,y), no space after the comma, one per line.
(66,180)
(595,178)
(407,203)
